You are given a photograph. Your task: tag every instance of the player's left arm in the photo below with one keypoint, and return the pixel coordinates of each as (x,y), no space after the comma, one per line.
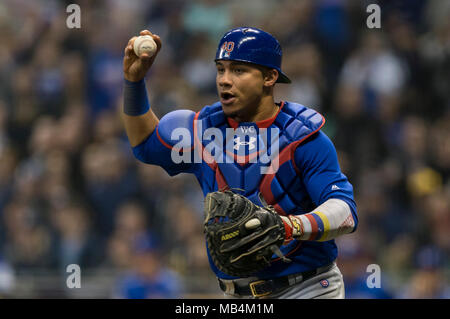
(328,187)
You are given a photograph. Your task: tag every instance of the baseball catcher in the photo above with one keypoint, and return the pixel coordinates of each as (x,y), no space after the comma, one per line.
(273,235)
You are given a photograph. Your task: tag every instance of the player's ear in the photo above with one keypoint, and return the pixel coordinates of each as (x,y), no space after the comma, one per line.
(270,77)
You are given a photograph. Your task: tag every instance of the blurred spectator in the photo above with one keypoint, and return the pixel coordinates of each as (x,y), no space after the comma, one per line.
(186,236)
(374,69)
(198,69)
(148,278)
(28,241)
(107,181)
(426,282)
(75,242)
(130,224)
(354,260)
(304,65)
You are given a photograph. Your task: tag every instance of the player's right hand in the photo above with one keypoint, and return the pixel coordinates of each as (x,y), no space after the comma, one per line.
(135,68)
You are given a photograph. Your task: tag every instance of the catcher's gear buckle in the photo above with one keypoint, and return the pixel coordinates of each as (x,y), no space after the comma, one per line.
(253,288)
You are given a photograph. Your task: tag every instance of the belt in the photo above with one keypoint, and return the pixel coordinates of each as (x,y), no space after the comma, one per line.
(263,287)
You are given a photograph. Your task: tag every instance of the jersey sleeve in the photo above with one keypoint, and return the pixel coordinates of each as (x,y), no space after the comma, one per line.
(171,144)
(318,163)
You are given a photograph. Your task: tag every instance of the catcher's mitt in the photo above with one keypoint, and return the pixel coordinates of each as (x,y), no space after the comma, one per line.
(241,236)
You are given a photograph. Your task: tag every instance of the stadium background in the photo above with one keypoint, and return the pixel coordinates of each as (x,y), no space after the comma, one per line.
(72,193)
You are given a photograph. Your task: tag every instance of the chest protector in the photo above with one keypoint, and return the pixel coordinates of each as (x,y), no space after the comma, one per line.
(256,161)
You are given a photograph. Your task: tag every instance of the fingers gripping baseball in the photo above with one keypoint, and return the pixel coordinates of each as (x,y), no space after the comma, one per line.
(136,67)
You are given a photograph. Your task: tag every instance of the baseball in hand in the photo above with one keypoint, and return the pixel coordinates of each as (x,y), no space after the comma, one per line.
(144,44)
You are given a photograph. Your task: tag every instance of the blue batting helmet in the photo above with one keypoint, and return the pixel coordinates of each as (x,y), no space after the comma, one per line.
(252,45)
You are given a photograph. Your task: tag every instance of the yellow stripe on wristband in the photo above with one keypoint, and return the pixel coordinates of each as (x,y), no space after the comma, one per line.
(326,225)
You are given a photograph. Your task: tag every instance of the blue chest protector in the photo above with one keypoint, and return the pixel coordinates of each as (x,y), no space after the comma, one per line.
(268,165)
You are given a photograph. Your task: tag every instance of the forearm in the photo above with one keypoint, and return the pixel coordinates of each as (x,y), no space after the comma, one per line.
(331,219)
(139,120)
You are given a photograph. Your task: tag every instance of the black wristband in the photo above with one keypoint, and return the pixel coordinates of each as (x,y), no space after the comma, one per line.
(135,101)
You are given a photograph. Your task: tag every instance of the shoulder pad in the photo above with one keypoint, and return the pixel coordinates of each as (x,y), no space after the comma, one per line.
(299,121)
(175,127)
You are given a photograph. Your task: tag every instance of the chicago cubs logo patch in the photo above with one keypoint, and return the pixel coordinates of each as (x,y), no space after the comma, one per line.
(324,283)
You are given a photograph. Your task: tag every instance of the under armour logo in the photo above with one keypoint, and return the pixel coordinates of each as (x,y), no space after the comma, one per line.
(238,143)
(334,187)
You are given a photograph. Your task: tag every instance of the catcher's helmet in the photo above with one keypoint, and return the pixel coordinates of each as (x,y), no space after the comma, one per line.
(252,45)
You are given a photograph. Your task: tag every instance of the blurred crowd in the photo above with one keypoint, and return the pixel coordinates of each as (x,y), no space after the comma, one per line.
(71,191)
